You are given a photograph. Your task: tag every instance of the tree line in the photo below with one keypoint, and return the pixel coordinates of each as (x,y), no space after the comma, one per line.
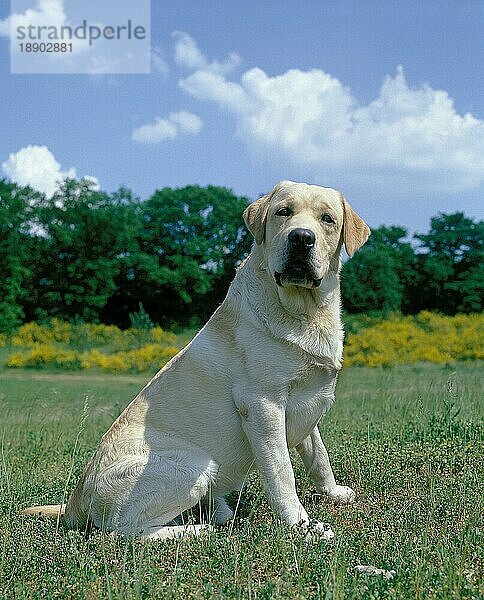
(86,255)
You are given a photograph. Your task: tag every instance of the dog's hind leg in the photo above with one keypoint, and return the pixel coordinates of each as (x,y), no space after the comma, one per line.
(167,532)
(223,512)
(217,509)
(163,494)
(137,496)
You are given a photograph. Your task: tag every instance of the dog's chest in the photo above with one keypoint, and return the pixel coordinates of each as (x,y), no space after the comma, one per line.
(310,394)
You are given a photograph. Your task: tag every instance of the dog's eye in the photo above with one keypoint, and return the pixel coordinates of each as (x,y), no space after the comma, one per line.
(283,212)
(327,218)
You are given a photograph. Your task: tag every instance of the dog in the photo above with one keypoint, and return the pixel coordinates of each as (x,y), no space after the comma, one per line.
(252,384)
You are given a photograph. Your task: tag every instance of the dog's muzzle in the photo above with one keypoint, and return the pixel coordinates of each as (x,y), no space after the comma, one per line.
(298,270)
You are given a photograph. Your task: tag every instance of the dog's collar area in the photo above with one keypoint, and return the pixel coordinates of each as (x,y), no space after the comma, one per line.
(277,277)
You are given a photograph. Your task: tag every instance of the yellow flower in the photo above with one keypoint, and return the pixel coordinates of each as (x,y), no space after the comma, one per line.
(424,337)
(427,337)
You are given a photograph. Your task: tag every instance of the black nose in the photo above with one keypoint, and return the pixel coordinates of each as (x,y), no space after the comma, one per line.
(301,239)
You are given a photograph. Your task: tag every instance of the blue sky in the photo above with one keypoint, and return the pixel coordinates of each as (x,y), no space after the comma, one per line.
(380,99)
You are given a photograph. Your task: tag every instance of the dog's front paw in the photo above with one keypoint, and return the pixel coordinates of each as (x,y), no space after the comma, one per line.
(323,530)
(314,531)
(342,494)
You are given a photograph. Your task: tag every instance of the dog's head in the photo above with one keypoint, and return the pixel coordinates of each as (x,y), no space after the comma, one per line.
(301,229)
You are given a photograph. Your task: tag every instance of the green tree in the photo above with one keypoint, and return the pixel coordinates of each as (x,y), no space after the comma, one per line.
(451,263)
(86,236)
(190,241)
(380,275)
(16,219)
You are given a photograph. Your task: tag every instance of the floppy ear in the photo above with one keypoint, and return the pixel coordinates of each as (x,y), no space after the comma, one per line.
(255,216)
(355,230)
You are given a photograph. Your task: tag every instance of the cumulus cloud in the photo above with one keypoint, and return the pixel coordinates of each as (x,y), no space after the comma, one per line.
(158,61)
(58,20)
(187,54)
(169,128)
(411,137)
(37,167)
(46,12)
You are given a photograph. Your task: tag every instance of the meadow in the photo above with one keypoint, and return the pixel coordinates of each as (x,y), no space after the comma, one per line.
(409,439)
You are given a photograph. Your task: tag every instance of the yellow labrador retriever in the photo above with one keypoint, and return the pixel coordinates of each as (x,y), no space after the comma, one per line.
(253,383)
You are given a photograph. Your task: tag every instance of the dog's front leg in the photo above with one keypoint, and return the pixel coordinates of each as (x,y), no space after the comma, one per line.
(316,460)
(264,424)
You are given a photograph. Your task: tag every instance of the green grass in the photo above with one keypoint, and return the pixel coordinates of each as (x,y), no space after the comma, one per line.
(393,435)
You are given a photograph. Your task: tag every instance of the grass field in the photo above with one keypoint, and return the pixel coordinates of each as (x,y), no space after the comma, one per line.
(409,440)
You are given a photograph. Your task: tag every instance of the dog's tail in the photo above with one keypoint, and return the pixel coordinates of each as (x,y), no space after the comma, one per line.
(52,511)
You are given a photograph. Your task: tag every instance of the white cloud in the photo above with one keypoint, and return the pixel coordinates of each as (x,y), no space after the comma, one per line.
(187,54)
(37,167)
(158,61)
(168,128)
(156,132)
(93,182)
(407,137)
(187,122)
(91,51)
(47,13)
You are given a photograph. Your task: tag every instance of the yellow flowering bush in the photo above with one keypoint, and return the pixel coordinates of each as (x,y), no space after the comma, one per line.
(58,344)
(109,362)
(149,357)
(426,337)
(160,336)
(90,346)
(87,335)
(33,333)
(41,355)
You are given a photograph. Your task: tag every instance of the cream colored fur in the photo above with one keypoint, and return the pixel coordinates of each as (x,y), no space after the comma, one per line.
(253,383)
